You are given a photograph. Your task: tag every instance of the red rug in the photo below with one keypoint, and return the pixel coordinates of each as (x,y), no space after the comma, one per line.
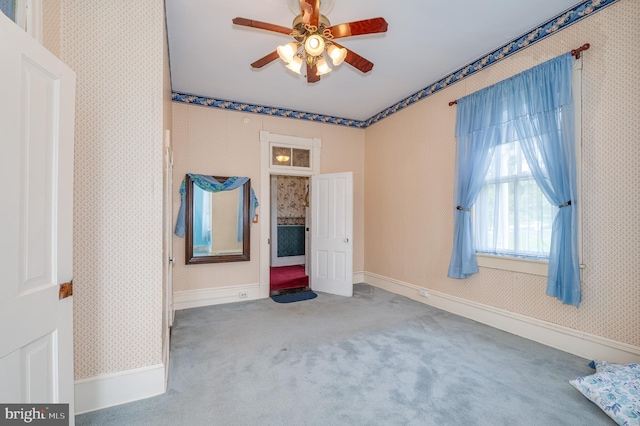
(284,277)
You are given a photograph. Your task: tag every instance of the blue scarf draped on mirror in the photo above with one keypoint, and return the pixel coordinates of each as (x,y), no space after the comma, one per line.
(208,183)
(534,107)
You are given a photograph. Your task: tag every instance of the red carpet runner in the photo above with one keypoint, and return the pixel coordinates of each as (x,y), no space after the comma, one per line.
(284,277)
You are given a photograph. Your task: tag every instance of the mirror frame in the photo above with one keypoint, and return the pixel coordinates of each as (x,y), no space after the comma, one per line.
(190,259)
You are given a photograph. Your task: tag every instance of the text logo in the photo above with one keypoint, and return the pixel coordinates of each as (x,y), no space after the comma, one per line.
(34,414)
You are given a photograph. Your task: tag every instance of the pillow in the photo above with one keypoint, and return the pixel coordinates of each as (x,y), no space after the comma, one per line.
(615,388)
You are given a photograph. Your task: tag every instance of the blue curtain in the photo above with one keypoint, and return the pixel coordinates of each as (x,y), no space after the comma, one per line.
(535,108)
(208,183)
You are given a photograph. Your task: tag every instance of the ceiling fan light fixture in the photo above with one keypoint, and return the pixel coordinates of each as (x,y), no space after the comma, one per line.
(314,45)
(321,67)
(282,158)
(287,51)
(337,54)
(296,64)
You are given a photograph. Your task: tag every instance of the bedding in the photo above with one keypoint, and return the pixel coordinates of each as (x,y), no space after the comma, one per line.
(615,388)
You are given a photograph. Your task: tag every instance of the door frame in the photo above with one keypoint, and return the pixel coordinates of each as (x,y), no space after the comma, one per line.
(266,170)
(273,254)
(168,311)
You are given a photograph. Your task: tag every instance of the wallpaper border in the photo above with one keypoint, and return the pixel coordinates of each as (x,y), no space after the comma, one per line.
(265,110)
(550,27)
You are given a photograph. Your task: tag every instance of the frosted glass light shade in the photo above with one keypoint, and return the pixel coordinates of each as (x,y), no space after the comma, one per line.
(295,64)
(337,54)
(287,51)
(321,67)
(314,45)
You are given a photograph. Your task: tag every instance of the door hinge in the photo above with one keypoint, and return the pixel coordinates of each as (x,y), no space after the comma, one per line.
(66,290)
(269,241)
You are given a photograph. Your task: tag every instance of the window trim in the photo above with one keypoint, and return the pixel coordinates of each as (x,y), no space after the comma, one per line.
(513,264)
(28,15)
(541,267)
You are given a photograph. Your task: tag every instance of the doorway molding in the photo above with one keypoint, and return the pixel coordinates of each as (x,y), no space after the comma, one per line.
(266,170)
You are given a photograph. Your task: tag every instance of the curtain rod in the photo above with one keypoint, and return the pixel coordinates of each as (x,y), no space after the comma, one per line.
(574,52)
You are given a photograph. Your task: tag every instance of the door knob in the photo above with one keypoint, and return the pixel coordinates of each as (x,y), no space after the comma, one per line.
(346,240)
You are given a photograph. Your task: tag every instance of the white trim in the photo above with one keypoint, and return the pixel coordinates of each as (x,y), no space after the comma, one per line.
(64,335)
(214,296)
(273,243)
(288,260)
(266,170)
(28,16)
(108,390)
(576,342)
(526,266)
(358,277)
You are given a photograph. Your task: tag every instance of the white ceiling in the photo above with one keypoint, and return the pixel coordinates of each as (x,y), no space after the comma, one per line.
(426,40)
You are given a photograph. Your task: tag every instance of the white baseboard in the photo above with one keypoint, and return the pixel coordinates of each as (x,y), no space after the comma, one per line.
(566,339)
(214,296)
(108,390)
(358,277)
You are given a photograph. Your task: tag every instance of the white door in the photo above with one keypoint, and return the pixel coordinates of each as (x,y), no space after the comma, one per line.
(36,137)
(331,233)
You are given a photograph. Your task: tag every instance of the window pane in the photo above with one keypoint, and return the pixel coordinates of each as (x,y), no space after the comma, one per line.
(512,216)
(281,156)
(301,158)
(8,8)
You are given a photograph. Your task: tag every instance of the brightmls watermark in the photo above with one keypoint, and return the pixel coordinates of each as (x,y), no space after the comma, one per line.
(34,414)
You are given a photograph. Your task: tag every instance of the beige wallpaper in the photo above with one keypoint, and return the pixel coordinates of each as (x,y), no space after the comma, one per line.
(409,226)
(51,25)
(118,59)
(212,141)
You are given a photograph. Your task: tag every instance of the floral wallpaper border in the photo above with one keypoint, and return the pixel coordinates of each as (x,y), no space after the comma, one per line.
(548,28)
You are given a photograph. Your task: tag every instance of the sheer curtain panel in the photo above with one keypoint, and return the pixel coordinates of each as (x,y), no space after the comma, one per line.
(534,108)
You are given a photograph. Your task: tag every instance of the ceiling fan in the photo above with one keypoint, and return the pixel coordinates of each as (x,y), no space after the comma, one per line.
(314,35)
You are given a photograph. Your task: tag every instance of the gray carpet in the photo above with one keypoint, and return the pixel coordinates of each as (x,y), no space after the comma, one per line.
(373,359)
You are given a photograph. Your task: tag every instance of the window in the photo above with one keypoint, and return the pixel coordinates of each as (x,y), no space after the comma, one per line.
(512,217)
(8,7)
(26,13)
(284,156)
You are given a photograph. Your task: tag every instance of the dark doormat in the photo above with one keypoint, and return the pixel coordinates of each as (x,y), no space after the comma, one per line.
(294,297)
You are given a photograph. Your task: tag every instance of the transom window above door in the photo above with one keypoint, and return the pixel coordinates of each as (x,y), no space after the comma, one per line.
(290,157)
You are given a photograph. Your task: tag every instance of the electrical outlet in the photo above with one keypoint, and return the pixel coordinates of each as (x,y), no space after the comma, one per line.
(243,295)
(424,293)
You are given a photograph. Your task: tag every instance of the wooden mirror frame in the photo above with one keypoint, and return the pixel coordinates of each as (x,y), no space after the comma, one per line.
(190,259)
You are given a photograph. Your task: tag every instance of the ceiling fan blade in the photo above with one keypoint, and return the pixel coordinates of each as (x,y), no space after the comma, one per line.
(366,26)
(265,60)
(312,77)
(315,10)
(356,60)
(262,25)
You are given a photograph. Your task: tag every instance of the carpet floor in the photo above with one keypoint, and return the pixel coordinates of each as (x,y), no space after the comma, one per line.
(284,277)
(373,359)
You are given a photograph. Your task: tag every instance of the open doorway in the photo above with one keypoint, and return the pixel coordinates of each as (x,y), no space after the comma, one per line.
(288,266)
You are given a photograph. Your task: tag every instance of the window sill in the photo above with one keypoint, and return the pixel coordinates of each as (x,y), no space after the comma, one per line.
(514,264)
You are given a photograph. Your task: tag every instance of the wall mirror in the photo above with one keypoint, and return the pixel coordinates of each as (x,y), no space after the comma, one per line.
(217,223)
